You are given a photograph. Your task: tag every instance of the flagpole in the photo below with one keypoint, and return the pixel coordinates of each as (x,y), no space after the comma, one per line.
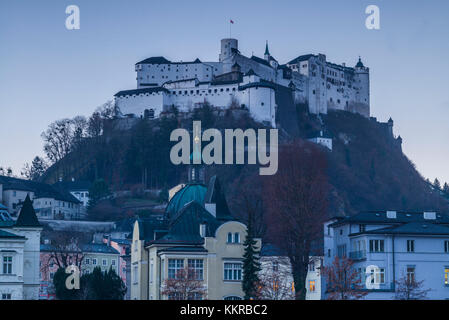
(230,25)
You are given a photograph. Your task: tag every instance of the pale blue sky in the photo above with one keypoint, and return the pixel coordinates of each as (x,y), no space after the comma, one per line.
(48,72)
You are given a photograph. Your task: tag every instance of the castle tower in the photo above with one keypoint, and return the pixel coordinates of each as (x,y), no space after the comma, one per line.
(390,127)
(229,46)
(363,95)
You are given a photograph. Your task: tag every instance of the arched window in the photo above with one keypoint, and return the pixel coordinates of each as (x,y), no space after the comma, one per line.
(236,237)
(229,237)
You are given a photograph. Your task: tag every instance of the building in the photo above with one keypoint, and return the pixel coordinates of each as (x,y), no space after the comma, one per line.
(86,257)
(387,246)
(252,83)
(48,202)
(323,139)
(276,272)
(123,246)
(19,254)
(198,232)
(78,189)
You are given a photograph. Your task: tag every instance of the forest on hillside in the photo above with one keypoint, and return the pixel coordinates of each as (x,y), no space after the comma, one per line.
(366,169)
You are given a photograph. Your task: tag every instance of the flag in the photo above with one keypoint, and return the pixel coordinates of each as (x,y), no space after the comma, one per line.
(231,21)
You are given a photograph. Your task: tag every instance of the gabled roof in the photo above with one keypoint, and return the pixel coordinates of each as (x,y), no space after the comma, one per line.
(261,61)
(185,228)
(380,217)
(72,185)
(140,91)
(98,248)
(9,235)
(41,190)
(216,195)
(27,216)
(301,58)
(155,60)
(148,226)
(415,228)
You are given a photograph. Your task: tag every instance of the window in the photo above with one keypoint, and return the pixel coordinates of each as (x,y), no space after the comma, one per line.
(232,298)
(446,246)
(94,261)
(312,266)
(236,237)
(233,271)
(410,245)
(410,274)
(87,261)
(376,245)
(113,262)
(446,276)
(194,296)
(6,296)
(312,286)
(135,274)
(341,251)
(275,266)
(378,276)
(362,228)
(174,266)
(196,266)
(7,264)
(229,237)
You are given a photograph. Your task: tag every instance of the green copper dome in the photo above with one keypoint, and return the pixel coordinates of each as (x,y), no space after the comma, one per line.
(191,192)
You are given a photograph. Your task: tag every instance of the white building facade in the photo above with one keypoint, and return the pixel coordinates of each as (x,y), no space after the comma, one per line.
(390,246)
(19,255)
(247,82)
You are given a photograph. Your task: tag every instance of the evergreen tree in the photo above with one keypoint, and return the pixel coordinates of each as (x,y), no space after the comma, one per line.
(98,190)
(103,285)
(251,264)
(61,291)
(437,184)
(446,188)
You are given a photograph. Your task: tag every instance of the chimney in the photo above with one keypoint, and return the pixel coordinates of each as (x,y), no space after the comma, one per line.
(212,208)
(391,214)
(430,215)
(203,229)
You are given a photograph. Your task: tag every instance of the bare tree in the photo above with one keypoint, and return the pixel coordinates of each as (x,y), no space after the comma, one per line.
(65,249)
(276,281)
(296,201)
(186,285)
(343,281)
(407,288)
(35,170)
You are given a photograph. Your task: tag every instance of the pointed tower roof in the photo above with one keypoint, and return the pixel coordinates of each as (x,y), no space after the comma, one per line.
(27,216)
(267,52)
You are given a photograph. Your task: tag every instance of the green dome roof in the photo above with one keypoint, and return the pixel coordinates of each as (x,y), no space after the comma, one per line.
(191,192)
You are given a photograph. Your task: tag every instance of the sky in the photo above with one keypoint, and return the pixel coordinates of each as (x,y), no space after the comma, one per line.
(48,72)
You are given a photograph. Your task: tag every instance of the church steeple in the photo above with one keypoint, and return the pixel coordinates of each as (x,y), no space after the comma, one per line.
(267,52)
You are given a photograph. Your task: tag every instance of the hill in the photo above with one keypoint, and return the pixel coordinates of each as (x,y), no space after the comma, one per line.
(366,169)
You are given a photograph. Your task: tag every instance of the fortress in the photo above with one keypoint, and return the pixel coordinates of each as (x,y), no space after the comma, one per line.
(251,83)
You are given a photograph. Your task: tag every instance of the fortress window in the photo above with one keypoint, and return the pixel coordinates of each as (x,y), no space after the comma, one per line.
(313,91)
(197,91)
(209,90)
(338,101)
(215,90)
(227,89)
(233,89)
(191,91)
(262,103)
(221,90)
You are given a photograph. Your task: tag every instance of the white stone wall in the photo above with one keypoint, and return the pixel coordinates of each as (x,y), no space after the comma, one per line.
(12,284)
(136,104)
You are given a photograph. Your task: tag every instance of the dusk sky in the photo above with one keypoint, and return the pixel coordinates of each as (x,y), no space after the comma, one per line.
(48,72)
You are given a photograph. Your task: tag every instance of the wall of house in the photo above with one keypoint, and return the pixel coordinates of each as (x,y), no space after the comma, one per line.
(31,261)
(139,267)
(13,284)
(12,197)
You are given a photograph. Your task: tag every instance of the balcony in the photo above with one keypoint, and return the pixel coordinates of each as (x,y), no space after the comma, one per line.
(358,255)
